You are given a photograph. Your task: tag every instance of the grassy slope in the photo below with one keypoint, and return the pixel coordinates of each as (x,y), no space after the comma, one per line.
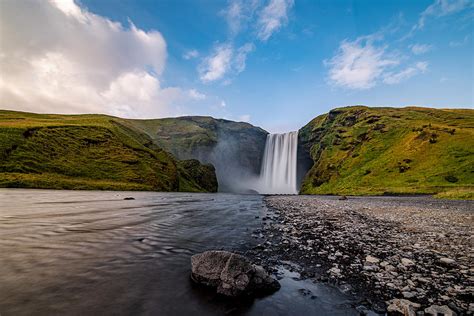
(360,150)
(180,135)
(85,152)
(183,136)
(234,148)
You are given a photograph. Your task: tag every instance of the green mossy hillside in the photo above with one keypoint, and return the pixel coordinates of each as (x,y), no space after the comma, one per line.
(235,149)
(372,151)
(87,152)
(197,137)
(193,172)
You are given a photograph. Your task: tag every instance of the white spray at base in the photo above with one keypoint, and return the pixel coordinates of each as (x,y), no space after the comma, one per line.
(278,173)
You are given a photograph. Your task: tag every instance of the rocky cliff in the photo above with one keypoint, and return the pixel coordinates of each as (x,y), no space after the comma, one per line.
(234,148)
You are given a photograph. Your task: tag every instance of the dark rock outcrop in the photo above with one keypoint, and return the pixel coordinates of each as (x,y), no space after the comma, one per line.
(231,274)
(201,175)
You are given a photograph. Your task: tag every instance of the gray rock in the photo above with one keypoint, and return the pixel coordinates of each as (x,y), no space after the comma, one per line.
(436,310)
(371,259)
(334,271)
(231,274)
(402,307)
(408,294)
(447,262)
(407,262)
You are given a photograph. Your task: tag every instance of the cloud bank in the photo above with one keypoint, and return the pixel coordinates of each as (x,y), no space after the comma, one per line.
(59,57)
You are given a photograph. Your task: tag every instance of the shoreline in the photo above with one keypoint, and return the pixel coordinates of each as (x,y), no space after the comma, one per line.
(265,195)
(385,251)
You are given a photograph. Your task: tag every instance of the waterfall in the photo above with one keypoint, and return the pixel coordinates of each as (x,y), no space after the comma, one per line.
(278,173)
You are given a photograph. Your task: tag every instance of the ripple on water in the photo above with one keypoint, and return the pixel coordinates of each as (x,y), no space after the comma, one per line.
(91,252)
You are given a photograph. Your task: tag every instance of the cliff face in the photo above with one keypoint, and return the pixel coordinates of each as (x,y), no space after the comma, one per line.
(197,177)
(90,152)
(235,149)
(360,150)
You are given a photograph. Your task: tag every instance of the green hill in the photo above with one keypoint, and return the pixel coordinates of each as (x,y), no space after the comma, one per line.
(360,150)
(90,152)
(234,148)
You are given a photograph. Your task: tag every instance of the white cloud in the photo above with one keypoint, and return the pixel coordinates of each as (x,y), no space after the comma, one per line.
(191,54)
(241,56)
(224,60)
(244,118)
(223,104)
(217,65)
(61,58)
(272,17)
(397,77)
(196,95)
(460,43)
(359,64)
(419,49)
(234,15)
(442,8)
(264,20)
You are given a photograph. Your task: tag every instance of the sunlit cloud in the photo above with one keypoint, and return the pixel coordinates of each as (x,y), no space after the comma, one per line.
(225,60)
(273,16)
(66,59)
(359,64)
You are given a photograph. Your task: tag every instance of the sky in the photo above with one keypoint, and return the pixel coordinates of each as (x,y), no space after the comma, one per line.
(273,63)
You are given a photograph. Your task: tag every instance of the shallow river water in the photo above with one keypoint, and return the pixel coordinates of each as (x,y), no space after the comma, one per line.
(94,253)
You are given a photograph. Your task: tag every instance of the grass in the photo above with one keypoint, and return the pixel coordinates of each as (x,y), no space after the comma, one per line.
(189,136)
(85,152)
(373,151)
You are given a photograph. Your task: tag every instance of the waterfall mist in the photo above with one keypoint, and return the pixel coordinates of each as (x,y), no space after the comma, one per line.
(278,174)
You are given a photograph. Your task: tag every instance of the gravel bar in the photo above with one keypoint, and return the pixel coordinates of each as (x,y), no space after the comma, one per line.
(404,255)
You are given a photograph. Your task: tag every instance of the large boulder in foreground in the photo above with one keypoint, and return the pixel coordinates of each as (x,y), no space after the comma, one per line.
(232,274)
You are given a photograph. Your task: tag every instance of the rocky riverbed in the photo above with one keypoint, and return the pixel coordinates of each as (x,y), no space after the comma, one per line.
(406,254)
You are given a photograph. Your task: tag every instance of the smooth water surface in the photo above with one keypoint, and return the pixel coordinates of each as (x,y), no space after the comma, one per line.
(92,252)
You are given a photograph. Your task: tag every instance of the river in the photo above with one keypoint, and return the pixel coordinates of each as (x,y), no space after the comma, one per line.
(94,253)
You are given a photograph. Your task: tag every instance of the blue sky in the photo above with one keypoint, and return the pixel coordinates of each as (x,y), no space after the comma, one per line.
(274,63)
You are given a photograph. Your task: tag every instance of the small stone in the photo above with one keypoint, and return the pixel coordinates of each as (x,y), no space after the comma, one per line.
(389,268)
(407,262)
(447,262)
(402,306)
(129,198)
(423,280)
(371,259)
(371,268)
(436,310)
(335,271)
